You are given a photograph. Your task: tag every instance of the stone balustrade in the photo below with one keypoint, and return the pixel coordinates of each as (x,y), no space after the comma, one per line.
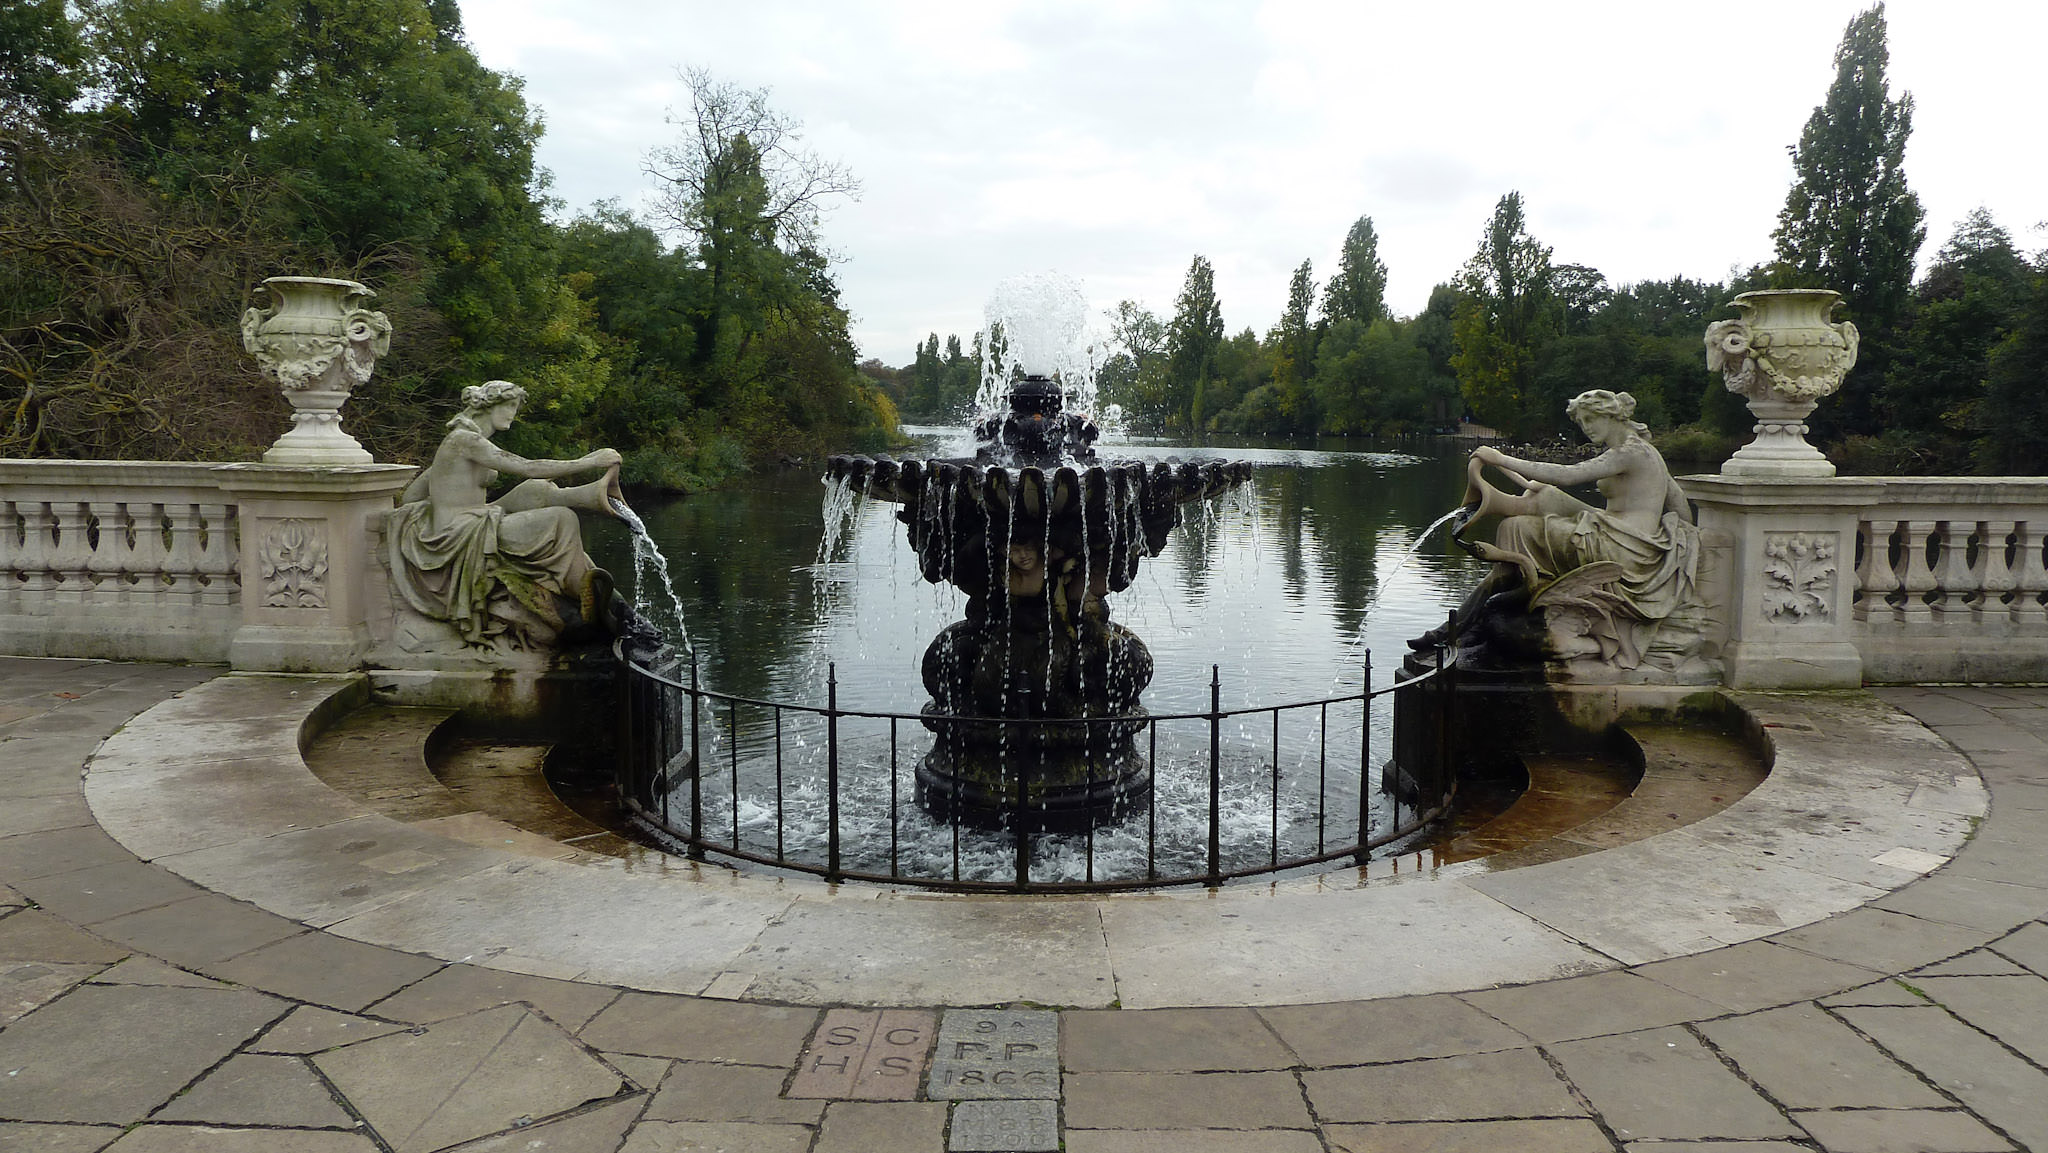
(153,560)
(1950,580)
(130,560)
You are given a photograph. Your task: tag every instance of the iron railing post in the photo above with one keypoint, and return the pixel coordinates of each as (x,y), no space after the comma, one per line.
(1023,864)
(1215,775)
(832,771)
(696,769)
(1442,709)
(1365,765)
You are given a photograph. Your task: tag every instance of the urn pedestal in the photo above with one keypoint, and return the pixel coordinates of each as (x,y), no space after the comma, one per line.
(318,343)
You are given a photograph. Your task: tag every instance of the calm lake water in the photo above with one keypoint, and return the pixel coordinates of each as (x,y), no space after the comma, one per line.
(1283,587)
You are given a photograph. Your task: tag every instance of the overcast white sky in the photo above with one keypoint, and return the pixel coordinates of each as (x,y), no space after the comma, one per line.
(1114,141)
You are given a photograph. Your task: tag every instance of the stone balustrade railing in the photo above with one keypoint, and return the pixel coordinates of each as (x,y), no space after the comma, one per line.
(138,560)
(1950,579)
(148,560)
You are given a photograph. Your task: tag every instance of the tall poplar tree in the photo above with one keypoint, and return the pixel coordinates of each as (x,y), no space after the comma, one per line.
(1849,222)
(1503,313)
(1192,340)
(1359,290)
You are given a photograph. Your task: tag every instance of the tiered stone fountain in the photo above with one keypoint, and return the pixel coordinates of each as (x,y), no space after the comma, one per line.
(1037,533)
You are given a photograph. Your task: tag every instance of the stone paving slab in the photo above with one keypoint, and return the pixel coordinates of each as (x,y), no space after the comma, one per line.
(32,1138)
(1559,1136)
(1396,1029)
(716,1137)
(112,1053)
(463,1078)
(1962,1062)
(458,989)
(35,935)
(1169,1041)
(1756,975)
(1590,1006)
(1807,1059)
(598,1130)
(1664,1085)
(255,1090)
(699,1091)
(1192,1141)
(1185,1101)
(1902,1131)
(103,892)
(325,970)
(207,1139)
(867,1127)
(984,1054)
(1516,1083)
(695,1029)
(1005,1127)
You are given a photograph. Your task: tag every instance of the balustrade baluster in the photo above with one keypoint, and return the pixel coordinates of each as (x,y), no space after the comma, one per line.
(1995,582)
(38,547)
(181,564)
(219,563)
(1919,537)
(1876,574)
(108,561)
(146,557)
(10,553)
(1955,580)
(72,557)
(2030,577)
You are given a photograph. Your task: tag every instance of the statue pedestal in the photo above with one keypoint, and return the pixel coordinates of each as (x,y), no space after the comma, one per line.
(1787,576)
(306,558)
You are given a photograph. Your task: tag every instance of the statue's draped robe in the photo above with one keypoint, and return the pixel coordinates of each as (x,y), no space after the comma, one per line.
(1658,569)
(451,574)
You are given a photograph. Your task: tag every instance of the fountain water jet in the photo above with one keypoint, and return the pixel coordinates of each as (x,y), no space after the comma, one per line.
(1038,533)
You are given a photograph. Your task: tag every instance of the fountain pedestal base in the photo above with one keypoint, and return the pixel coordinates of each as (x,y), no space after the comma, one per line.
(1038,787)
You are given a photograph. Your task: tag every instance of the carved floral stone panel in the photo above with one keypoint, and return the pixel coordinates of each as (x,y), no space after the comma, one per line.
(1799,577)
(293,558)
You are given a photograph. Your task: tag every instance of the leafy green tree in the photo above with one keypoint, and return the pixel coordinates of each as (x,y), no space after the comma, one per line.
(1934,383)
(2014,415)
(1849,222)
(1193,339)
(1359,289)
(1134,373)
(40,59)
(1504,313)
(739,188)
(1375,379)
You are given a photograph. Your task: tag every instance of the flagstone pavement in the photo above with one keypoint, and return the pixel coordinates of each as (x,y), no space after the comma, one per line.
(143,1013)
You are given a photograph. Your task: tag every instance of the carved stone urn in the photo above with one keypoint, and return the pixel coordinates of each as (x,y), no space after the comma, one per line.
(319,344)
(1784,355)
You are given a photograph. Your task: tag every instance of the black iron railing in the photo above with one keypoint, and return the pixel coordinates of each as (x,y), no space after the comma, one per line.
(830,791)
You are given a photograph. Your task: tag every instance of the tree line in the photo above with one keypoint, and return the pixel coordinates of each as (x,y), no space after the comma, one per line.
(1952,375)
(159,158)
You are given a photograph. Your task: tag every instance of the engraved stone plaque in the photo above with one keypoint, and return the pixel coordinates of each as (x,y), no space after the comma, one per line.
(1005,1127)
(996,1054)
(865,1055)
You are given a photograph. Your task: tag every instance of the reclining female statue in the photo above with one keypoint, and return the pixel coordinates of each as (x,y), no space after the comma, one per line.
(1609,578)
(509,569)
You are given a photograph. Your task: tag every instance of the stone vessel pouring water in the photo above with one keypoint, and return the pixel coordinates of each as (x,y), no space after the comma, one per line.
(1037,533)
